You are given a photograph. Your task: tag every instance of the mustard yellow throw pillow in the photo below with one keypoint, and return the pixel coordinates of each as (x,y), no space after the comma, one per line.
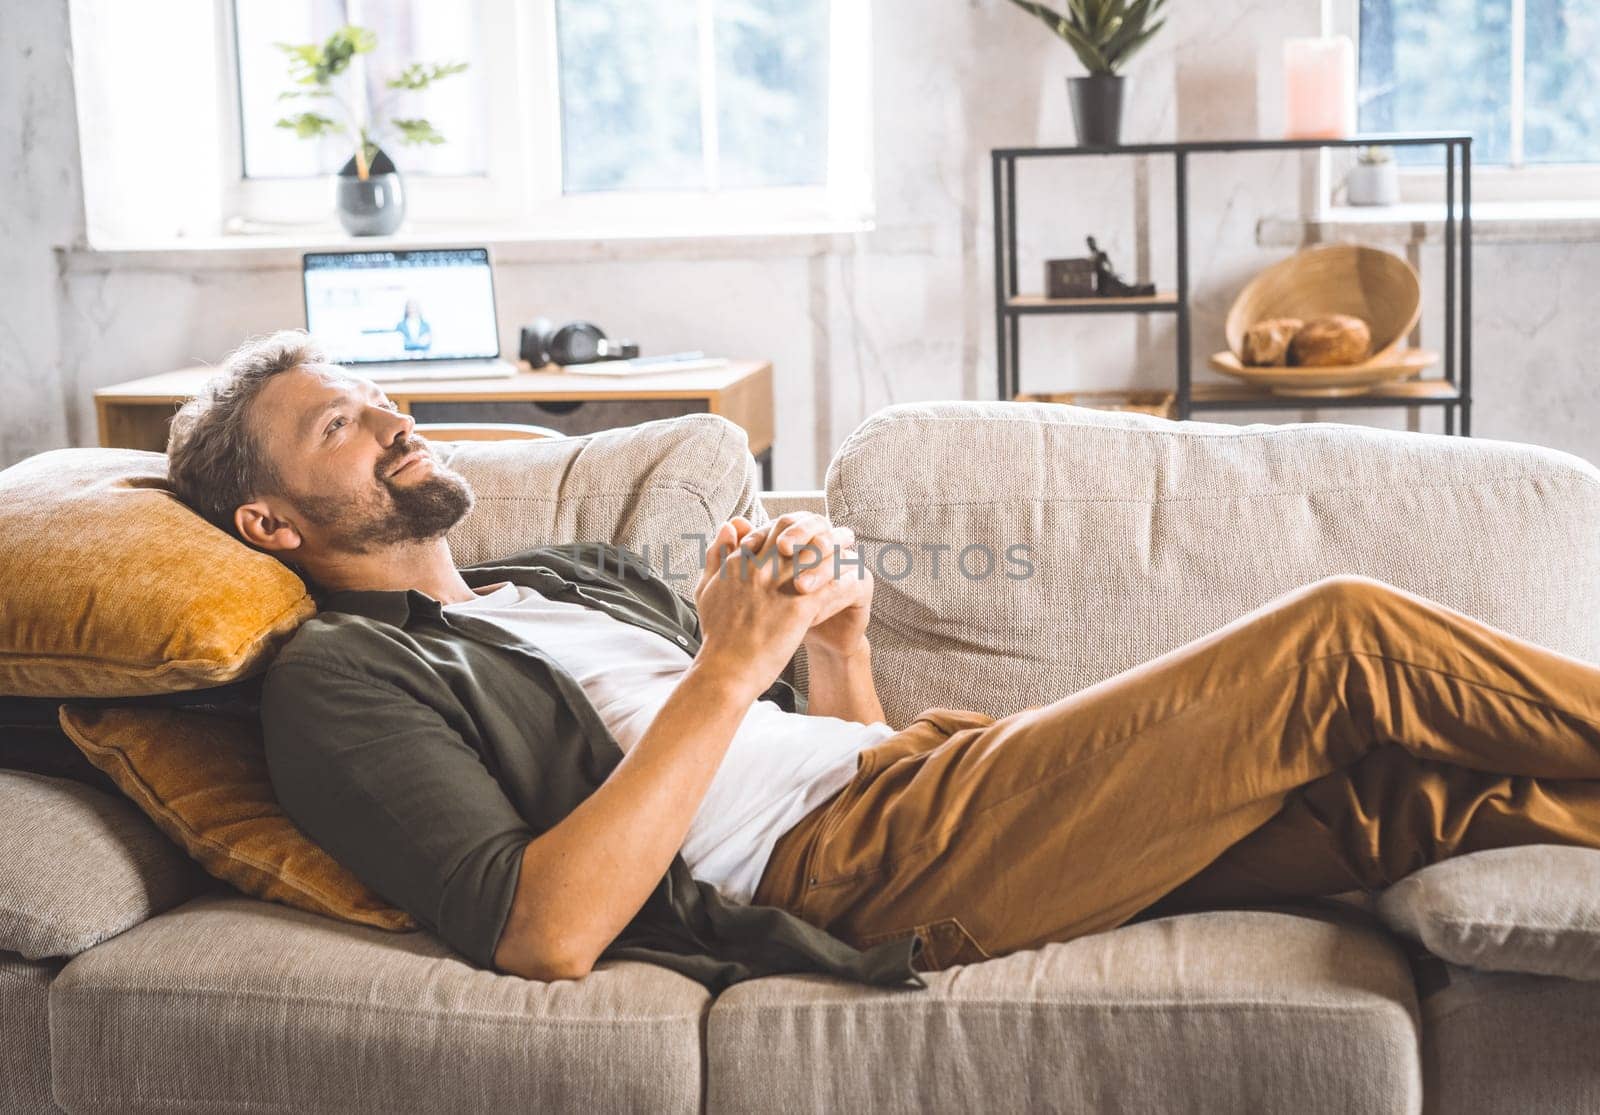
(114,588)
(203,780)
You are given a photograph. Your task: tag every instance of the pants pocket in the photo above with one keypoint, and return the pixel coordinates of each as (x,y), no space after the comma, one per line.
(952,720)
(945,943)
(927,731)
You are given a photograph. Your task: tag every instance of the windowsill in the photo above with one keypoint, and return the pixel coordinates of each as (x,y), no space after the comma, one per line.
(1493,222)
(276,250)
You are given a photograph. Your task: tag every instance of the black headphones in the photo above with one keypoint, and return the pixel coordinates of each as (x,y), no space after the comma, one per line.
(577,342)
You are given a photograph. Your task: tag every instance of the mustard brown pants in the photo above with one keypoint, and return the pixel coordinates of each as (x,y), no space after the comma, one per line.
(1336,738)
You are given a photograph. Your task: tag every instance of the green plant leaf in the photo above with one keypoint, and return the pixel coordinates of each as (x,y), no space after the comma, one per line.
(1103,11)
(1050,18)
(309,125)
(1088,53)
(316,91)
(419,75)
(413,76)
(416,131)
(1130,27)
(343,45)
(1103,33)
(305,61)
(1138,41)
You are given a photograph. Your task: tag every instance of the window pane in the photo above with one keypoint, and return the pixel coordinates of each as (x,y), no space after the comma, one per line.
(271,152)
(1562,124)
(431,31)
(1433,65)
(630,95)
(408,31)
(772,92)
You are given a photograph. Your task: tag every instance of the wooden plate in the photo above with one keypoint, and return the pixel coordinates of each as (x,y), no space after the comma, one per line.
(1332,381)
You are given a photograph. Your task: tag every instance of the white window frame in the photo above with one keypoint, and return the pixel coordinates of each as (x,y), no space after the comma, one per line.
(1517,183)
(522,191)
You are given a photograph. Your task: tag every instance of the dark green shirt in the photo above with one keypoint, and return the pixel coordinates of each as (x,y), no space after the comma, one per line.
(424,750)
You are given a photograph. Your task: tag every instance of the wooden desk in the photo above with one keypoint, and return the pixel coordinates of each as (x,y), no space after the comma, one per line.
(134,415)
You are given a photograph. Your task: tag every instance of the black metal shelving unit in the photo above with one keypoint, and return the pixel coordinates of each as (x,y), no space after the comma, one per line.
(1453,392)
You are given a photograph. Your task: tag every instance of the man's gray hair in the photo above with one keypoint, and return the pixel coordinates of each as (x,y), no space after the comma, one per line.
(215,461)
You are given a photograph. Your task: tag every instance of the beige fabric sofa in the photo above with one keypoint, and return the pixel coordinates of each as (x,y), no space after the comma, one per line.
(1144,533)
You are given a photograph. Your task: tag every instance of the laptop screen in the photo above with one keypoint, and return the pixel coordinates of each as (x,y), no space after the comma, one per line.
(383,307)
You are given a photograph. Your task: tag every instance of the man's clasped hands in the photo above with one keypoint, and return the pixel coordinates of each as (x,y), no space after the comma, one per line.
(766,590)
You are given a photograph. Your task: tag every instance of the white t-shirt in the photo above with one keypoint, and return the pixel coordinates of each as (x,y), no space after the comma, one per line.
(779,766)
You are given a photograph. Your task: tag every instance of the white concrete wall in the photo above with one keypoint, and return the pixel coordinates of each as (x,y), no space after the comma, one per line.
(905,312)
(41,206)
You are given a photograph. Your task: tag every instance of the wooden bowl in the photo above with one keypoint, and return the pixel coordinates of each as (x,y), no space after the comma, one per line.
(1379,287)
(1328,381)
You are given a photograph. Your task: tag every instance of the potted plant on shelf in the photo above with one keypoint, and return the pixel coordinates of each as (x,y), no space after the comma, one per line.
(1374,180)
(1104,34)
(368,193)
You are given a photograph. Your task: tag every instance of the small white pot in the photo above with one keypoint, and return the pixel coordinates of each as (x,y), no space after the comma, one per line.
(1373,184)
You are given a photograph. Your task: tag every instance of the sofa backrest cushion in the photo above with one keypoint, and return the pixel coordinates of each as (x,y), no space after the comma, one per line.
(1144,533)
(644,487)
(203,780)
(79,866)
(113,588)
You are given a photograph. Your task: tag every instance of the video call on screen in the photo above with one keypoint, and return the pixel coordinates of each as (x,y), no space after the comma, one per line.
(388,306)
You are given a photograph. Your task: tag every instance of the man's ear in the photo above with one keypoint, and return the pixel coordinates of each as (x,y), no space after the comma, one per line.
(260,526)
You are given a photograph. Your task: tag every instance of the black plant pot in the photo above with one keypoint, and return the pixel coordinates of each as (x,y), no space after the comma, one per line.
(374,207)
(1097,109)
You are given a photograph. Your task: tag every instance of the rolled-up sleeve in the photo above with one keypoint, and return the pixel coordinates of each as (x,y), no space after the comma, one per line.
(391,791)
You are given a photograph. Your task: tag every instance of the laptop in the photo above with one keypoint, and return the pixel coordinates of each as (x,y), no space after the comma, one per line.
(405,315)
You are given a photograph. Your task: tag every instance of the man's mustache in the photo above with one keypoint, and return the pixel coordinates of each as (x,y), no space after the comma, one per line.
(400,450)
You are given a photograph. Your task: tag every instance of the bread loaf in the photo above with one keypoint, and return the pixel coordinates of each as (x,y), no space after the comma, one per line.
(1267,341)
(1332,340)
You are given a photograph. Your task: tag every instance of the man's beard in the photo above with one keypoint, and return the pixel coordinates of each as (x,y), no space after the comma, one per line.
(391,514)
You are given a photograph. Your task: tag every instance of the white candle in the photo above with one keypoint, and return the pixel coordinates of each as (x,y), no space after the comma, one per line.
(1319,86)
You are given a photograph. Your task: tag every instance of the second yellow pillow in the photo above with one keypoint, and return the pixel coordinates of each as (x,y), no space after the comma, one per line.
(203,780)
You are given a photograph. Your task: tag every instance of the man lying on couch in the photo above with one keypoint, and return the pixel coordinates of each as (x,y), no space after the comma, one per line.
(553,757)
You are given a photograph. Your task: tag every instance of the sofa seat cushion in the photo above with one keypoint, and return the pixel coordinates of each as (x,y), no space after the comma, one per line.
(1496,1042)
(1144,533)
(227,1003)
(79,866)
(1534,909)
(25,1034)
(1216,1011)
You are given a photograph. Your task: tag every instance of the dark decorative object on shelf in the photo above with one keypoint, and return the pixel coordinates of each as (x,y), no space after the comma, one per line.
(371,206)
(1104,34)
(1069,278)
(1108,284)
